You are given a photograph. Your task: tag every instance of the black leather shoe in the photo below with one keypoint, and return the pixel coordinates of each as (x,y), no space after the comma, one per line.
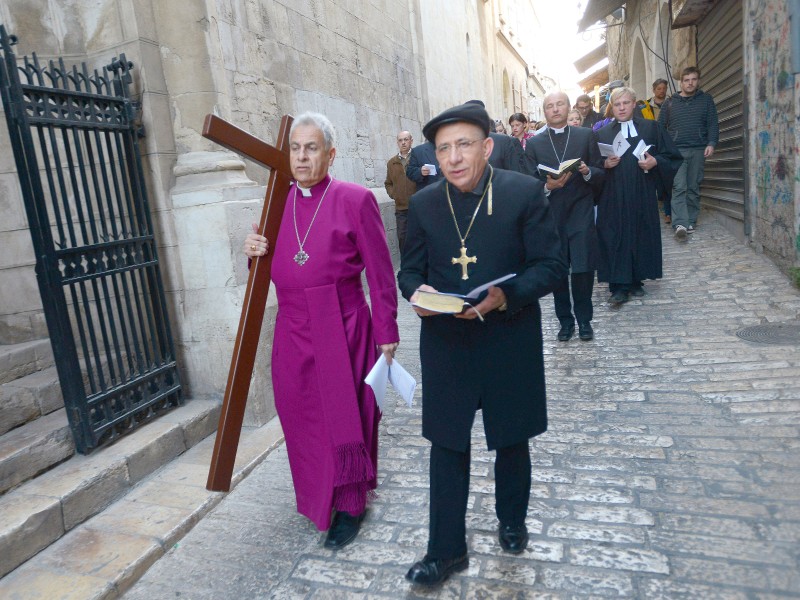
(638,292)
(585,331)
(430,571)
(566,331)
(344,529)
(618,297)
(513,538)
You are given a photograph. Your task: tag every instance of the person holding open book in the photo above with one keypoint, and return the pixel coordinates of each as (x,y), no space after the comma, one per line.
(475,227)
(640,159)
(572,195)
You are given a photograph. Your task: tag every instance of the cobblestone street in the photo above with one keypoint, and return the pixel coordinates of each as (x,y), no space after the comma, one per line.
(671,468)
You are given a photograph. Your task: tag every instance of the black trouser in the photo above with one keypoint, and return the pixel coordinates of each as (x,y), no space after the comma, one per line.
(582,285)
(624,287)
(450,492)
(401,218)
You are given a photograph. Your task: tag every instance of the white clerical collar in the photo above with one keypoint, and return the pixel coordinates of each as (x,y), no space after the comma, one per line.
(308,192)
(628,129)
(556,130)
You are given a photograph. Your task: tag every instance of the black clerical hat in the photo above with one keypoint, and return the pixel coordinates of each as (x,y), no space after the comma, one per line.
(471,112)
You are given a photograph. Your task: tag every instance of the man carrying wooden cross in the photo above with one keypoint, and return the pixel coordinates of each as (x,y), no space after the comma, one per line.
(326,338)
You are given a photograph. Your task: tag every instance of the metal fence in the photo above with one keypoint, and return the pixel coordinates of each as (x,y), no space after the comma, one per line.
(74,137)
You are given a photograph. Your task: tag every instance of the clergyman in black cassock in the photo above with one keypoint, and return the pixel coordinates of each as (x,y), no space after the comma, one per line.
(507,151)
(503,220)
(572,198)
(628,226)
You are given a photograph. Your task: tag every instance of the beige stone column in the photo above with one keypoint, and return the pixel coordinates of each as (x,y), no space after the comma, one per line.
(214,204)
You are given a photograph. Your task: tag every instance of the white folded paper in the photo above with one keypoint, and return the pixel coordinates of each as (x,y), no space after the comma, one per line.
(640,149)
(431,168)
(620,144)
(606,150)
(401,381)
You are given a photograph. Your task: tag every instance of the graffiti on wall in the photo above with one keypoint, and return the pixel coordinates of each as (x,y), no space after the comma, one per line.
(774,166)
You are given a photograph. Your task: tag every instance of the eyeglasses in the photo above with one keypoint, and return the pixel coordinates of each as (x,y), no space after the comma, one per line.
(406,139)
(461,146)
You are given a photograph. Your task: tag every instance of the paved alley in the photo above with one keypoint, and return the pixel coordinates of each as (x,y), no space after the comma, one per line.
(671,468)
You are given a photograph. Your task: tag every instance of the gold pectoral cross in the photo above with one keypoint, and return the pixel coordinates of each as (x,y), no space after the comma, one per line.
(464,260)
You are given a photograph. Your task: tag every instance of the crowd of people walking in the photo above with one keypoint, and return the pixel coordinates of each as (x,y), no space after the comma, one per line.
(518,212)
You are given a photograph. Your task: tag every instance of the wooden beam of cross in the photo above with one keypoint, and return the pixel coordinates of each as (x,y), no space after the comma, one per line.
(255,296)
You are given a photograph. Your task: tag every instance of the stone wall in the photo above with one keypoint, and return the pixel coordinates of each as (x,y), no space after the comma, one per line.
(646,24)
(91,31)
(21,317)
(774,101)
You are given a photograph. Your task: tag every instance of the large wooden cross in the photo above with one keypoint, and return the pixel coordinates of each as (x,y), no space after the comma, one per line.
(255,296)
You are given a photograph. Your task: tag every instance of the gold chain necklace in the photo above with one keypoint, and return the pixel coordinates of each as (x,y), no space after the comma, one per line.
(464,260)
(302,256)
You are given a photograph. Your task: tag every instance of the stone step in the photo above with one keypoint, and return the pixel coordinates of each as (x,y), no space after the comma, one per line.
(34,448)
(28,398)
(37,394)
(41,511)
(19,360)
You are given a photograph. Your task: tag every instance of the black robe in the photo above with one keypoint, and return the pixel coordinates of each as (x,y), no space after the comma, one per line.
(423,154)
(496,365)
(572,205)
(628,225)
(507,153)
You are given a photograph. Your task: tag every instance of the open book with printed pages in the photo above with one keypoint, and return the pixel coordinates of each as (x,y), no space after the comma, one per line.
(567,166)
(453,304)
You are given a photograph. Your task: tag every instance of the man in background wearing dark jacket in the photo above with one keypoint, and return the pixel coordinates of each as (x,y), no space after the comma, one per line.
(691,119)
(423,166)
(588,116)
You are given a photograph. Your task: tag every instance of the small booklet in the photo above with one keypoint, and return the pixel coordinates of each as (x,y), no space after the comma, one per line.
(567,166)
(454,304)
(606,150)
(640,149)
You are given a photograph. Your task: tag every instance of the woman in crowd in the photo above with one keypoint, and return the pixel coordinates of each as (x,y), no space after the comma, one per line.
(519,128)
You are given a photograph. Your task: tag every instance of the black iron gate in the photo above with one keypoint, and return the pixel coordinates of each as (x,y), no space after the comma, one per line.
(74,138)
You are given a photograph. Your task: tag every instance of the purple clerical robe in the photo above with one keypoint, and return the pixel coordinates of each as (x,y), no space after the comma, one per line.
(326,341)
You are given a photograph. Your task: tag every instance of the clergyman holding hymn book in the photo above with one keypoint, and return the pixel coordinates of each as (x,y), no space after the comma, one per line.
(567,166)
(454,304)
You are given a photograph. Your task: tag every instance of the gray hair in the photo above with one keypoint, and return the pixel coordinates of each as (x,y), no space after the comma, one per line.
(319,121)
